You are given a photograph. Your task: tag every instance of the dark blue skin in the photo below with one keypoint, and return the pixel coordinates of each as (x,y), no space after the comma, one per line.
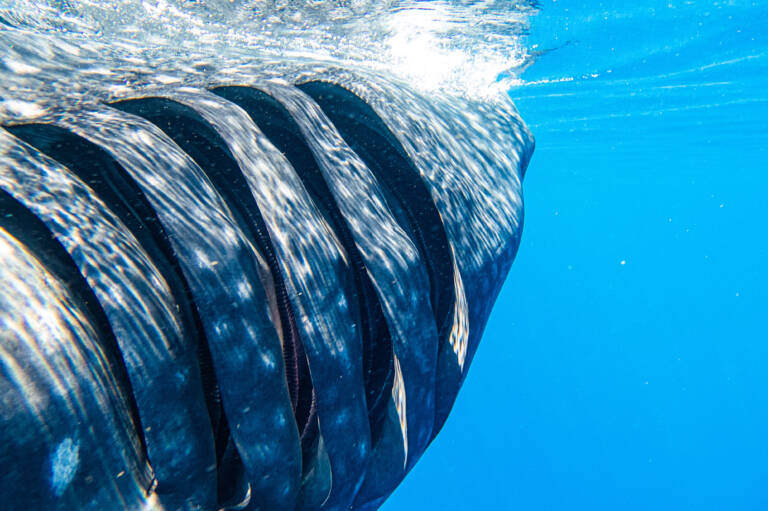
(256,297)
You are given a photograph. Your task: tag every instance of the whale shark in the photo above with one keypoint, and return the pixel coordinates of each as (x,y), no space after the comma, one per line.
(235,279)
(260,292)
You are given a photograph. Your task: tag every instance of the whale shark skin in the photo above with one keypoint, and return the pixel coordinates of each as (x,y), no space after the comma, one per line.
(261,291)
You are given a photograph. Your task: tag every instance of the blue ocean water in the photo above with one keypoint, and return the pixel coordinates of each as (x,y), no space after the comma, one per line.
(624,365)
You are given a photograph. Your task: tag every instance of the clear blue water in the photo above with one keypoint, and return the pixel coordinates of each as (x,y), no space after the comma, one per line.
(624,366)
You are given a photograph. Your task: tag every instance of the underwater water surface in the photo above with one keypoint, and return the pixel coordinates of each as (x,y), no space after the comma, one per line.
(624,364)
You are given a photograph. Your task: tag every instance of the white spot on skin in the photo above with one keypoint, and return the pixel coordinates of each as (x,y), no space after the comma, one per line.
(64,463)
(244,290)
(343,417)
(268,360)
